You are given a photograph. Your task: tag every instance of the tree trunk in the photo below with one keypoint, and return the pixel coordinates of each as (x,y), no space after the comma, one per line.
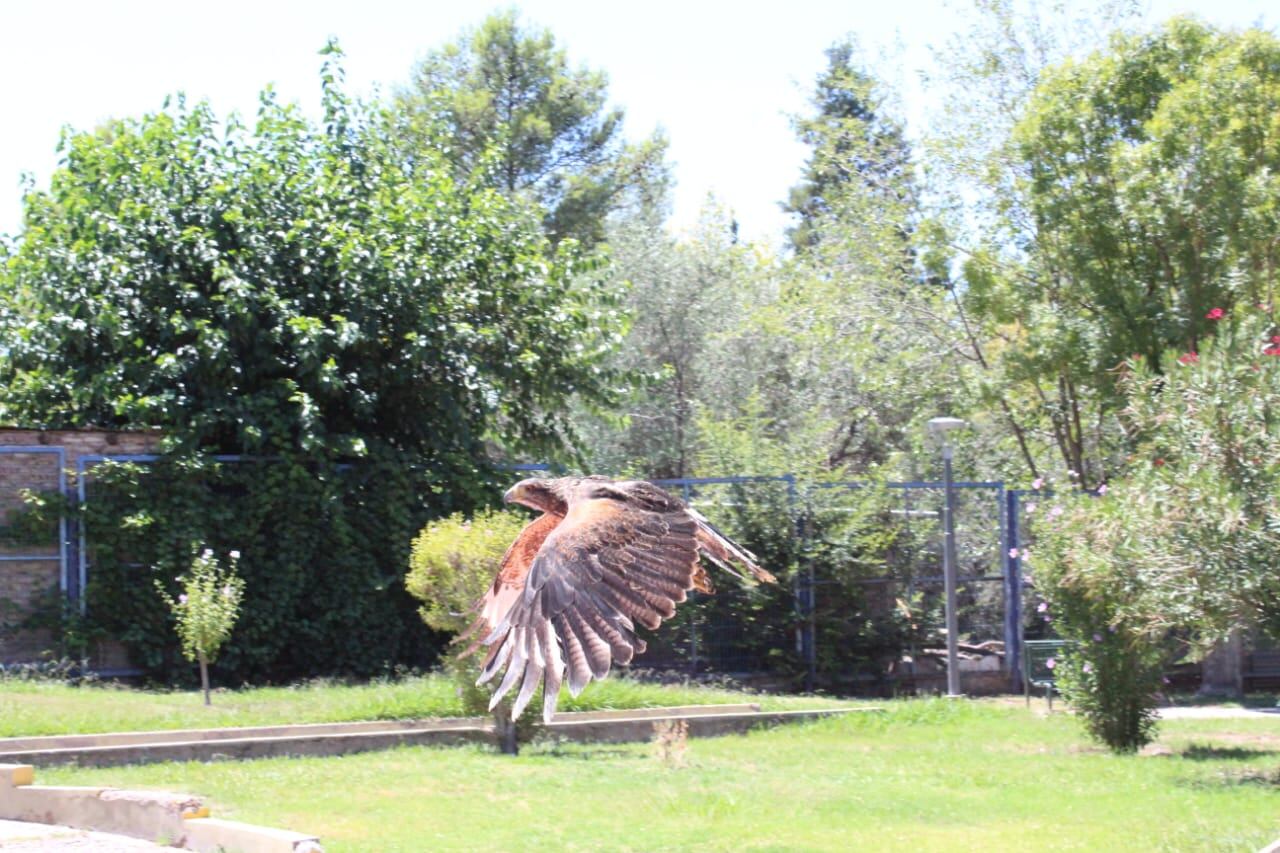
(508,738)
(204,677)
(1222,670)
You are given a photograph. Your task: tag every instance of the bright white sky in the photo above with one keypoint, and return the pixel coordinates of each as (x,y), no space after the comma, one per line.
(720,76)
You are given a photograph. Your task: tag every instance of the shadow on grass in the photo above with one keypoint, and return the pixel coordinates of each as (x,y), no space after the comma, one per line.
(1235,778)
(1210,752)
(1260,701)
(580,751)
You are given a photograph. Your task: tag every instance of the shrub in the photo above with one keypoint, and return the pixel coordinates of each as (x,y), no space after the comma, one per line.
(1087,567)
(452,563)
(206,610)
(1185,543)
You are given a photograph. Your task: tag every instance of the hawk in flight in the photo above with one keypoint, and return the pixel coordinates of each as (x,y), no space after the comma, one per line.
(603,557)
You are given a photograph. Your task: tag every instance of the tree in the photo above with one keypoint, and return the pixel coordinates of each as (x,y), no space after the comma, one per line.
(294,288)
(1183,545)
(1126,199)
(851,137)
(513,110)
(371,332)
(681,295)
(206,610)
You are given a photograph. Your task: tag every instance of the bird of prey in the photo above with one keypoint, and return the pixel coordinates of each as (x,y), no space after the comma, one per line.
(603,557)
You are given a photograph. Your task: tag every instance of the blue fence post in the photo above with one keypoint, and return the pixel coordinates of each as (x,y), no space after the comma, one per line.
(687,492)
(805,588)
(1012,590)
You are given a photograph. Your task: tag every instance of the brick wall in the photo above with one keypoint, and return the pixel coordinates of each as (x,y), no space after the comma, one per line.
(25,583)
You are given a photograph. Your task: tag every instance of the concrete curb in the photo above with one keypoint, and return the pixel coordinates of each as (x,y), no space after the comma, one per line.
(344,738)
(44,743)
(179,820)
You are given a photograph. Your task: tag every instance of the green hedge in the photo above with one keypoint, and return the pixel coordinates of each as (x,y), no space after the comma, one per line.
(324,554)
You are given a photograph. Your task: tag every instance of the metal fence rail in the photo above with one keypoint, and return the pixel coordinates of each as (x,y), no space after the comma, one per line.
(861,611)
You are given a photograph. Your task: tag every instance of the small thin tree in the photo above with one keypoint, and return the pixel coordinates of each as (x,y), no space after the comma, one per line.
(206,610)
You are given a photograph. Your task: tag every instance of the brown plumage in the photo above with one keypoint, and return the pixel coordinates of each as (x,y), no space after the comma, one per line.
(603,557)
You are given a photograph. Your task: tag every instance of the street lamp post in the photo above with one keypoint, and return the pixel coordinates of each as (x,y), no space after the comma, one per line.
(939,427)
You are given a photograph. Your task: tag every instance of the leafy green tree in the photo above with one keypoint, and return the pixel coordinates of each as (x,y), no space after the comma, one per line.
(371,330)
(510,108)
(681,296)
(1124,201)
(291,288)
(852,137)
(1185,543)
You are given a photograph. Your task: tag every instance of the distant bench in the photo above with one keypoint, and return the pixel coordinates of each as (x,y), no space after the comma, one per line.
(1039,664)
(1262,665)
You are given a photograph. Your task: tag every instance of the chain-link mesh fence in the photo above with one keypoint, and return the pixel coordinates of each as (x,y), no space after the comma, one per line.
(859,606)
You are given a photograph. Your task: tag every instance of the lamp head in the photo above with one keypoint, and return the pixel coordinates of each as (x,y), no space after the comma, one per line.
(941,426)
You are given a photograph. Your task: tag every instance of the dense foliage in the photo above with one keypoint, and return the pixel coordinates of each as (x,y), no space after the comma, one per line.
(1185,544)
(294,288)
(363,327)
(453,562)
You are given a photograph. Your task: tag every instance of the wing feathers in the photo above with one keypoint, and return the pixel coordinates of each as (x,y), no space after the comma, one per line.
(573,587)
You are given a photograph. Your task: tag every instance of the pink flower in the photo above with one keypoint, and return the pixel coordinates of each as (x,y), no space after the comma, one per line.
(1051,663)
(1044,605)
(1097,638)
(1031,508)
(1013,553)
(1102,490)
(1037,483)
(1215,314)
(1274,349)
(1087,668)
(1188,358)
(182,599)
(1056,512)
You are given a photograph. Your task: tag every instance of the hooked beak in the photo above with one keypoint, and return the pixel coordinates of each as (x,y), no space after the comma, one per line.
(511,494)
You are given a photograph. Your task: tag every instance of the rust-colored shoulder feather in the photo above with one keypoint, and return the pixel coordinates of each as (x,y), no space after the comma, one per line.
(509,582)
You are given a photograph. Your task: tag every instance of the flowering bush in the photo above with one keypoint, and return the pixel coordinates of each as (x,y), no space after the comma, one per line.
(206,610)
(1086,568)
(1185,542)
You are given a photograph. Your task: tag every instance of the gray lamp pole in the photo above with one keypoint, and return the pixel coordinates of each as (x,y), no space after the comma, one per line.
(939,427)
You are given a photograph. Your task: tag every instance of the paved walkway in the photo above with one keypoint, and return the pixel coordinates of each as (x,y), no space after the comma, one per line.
(19,837)
(1219,712)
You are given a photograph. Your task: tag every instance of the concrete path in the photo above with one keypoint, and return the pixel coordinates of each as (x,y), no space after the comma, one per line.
(19,837)
(1219,712)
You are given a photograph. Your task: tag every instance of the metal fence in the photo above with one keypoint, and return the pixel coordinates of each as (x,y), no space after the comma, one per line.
(860,606)
(863,610)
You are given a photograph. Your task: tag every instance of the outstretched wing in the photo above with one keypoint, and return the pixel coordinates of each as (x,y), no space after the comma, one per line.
(510,580)
(712,544)
(609,565)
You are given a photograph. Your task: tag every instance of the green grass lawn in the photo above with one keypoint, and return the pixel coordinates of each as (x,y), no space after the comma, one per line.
(42,708)
(927,774)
